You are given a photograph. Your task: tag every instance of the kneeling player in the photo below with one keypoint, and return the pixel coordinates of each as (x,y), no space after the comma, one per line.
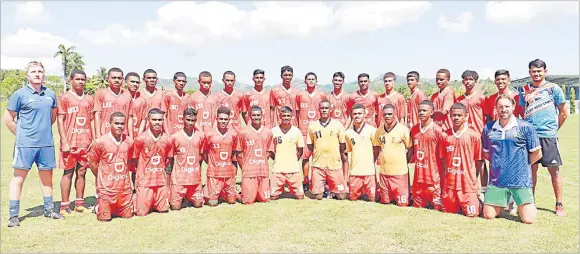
(254,148)
(359,142)
(392,140)
(108,157)
(221,161)
(152,150)
(185,163)
(288,146)
(460,149)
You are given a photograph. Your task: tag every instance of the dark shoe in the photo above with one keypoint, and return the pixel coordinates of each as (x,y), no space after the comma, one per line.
(53,215)
(13,222)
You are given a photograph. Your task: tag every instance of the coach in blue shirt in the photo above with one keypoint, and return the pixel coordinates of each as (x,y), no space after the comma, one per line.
(511,145)
(35,108)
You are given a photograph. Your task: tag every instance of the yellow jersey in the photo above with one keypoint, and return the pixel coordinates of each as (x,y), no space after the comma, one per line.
(360,146)
(394,145)
(326,141)
(285,145)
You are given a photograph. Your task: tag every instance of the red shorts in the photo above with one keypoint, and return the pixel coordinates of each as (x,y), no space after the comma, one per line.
(293,180)
(193,193)
(216,188)
(358,185)
(455,201)
(305,151)
(156,197)
(394,187)
(334,179)
(427,194)
(120,204)
(255,187)
(69,160)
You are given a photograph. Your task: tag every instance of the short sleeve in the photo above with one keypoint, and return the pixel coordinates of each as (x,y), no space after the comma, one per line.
(171,151)
(15,102)
(98,102)
(449,100)
(94,152)
(376,139)
(62,106)
(297,104)
(300,142)
(532,140)
(240,143)
(165,102)
(273,101)
(348,144)
(485,139)
(269,144)
(341,133)
(137,146)
(402,108)
(558,95)
(407,138)
(309,139)
(477,151)
(522,100)
(54,100)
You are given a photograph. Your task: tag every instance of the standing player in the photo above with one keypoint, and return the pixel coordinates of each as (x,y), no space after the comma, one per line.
(204,102)
(138,109)
(254,148)
(283,95)
(338,99)
(326,141)
(220,156)
(367,98)
(232,99)
(151,153)
(109,160)
(427,138)
(443,99)
(502,82)
(359,142)
(174,102)
(417,96)
(152,95)
(545,108)
(392,140)
(460,149)
(109,100)
(74,127)
(258,97)
(288,146)
(185,163)
(391,96)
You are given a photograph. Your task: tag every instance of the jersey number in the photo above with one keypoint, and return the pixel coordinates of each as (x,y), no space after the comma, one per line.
(278,140)
(318,134)
(352,141)
(383,139)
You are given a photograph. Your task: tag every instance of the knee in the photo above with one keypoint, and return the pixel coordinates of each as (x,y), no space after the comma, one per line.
(231,200)
(528,220)
(276,197)
(175,207)
(319,196)
(67,174)
(341,196)
(82,172)
(198,204)
(299,197)
(17,180)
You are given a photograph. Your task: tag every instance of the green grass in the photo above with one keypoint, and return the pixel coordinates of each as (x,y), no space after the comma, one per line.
(295,226)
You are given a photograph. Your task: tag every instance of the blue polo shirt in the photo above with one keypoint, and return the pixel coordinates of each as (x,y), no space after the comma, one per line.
(34,112)
(508,149)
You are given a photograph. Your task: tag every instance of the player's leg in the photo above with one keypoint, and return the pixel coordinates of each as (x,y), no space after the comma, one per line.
(213,187)
(449,201)
(46,162)
(370,186)
(384,189)
(470,203)
(495,200)
(263,192)
(14,194)
(229,188)
(80,181)
(161,199)
(436,197)
(420,200)
(527,210)
(399,186)
(482,171)
(143,200)
(177,193)
(355,187)
(336,183)
(277,182)
(249,190)
(67,163)
(294,181)
(551,159)
(124,205)
(197,196)
(317,182)
(306,171)
(105,204)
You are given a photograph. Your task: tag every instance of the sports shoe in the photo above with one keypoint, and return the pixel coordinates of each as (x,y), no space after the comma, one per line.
(513,208)
(82,209)
(66,212)
(51,214)
(13,222)
(482,196)
(560,211)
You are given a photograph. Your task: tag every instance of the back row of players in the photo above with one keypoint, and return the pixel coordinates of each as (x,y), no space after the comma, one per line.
(169,134)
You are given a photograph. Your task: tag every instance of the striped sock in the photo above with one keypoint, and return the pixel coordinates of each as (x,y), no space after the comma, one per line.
(64,205)
(80,202)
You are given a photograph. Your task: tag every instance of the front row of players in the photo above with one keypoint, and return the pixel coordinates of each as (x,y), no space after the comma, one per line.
(167,169)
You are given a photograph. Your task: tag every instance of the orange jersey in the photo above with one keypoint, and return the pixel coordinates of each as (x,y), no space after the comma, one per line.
(234,102)
(173,105)
(370,101)
(151,154)
(260,99)
(338,109)
(154,99)
(397,100)
(489,106)
(206,107)
(77,122)
(307,108)
(443,100)
(138,112)
(413,107)
(254,147)
(475,104)
(106,102)
(460,151)
(280,97)
(111,158)
(426,146)
(219,149)
(186,152)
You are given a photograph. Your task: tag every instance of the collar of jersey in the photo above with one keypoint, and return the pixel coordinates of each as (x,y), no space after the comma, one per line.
(511,124)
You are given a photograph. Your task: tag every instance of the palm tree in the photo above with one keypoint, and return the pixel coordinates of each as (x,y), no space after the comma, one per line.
(102,77)
(75,63)
(65,56)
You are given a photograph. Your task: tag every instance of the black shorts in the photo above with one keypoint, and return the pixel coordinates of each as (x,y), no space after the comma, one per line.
(550,153)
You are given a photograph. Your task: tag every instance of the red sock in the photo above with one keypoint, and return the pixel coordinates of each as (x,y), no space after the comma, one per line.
(80,202)
(64,205)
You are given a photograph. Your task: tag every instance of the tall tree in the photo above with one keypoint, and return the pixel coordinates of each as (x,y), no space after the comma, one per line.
(70,60)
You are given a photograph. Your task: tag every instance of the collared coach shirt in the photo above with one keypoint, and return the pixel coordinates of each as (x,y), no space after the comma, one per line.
(34,112)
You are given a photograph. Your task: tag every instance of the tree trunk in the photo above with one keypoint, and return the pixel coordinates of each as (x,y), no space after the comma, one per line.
(64,77)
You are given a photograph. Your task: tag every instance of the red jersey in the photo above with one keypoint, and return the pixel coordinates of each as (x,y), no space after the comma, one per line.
(280,97)
(152,154)
(206,107)
(173,105)
(426,142)
(186,151)
(111,158)
(370,101)
(107,103)
(460,151)
(489,106)
(77,122)
(397,100)
(475,104)
(307,108)
(234,102)
(254,147)
(260,99)
(154,99)
(138,112)
(443,100)
(338,108)
(413,107)
(219,149)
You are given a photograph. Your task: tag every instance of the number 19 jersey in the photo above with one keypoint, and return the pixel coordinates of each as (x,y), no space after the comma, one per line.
(460,151)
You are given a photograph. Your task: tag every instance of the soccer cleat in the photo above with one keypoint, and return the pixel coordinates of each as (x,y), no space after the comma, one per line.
(67,212)
(13,222)
(560,211)
(82,209)
(51,214)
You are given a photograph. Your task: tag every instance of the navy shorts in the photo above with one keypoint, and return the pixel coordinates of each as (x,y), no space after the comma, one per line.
(550,153)
(24,157)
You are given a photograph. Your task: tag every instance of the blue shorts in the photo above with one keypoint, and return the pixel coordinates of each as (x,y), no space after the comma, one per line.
(24,157)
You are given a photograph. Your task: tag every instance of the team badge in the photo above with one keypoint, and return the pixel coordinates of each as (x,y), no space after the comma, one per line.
(156,159)
(81,120)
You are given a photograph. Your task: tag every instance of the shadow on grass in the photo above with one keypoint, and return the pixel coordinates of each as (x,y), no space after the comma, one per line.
(546,210)
(38,211)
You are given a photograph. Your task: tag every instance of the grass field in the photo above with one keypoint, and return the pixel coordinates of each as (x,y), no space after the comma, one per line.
(295,226)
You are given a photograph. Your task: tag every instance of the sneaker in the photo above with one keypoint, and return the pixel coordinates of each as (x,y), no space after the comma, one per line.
(482,196)
(66,212)
(560,211)
(95,208)
(82,209)
(513,208)
(53,215)
(13,222)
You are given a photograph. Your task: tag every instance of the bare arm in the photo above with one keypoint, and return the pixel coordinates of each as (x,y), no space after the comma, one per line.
(299,152)
(94,165)
(130,125)
(310,148)
(562,115)
(54,114)
(9,117)
(376,151)
(410,153)
(344,158)
(272,112)
(98,124)
(64,146)
(142,126)
(535,156)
